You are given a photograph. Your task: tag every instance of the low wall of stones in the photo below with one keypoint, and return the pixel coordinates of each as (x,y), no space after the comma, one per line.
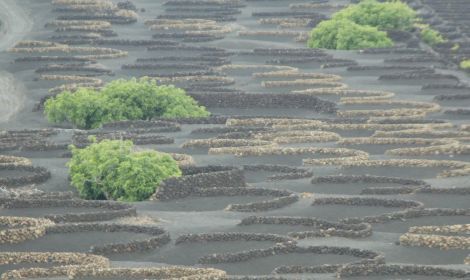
(44,46)
(447,97)
(435,241)
(322,228)
(61,263)
(159,237)
(416,76)
(457,112)
(194,170)
(169,272)
(210,181)
(214,119)
(409,214)
(454,168)
(231,236)
(110,17)
(80,139)
(106,210)
(153,126)
(272,168)
(19,229)
(385,67)
(451,191)
(194,48)
(226,130)
(254,277)
(435,237)
(367,256)
(216,143)
(394,270)
(33,194)
(12,160)
(407,186)
(53,58)
(458,86)
(29,139)
(409,206)
(326,59)
(94,69)
(286,172)
(218,18)
(264,205)
(121,42)
(291,176)
(39,175)
(189,36)
(96,272)
(171,65)
(199,178)
(271,100)
(342,154)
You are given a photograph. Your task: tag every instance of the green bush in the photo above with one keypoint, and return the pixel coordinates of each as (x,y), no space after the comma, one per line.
(431,36)
(134,99)
(393,15)
(465,64)
(111,170)
(347,35)
(85,108)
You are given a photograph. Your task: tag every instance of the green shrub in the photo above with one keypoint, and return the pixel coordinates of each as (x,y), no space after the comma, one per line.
(383,15)
(132,99)
(465,64)
(431,36)
(111,170)
(85,108)
(347,35)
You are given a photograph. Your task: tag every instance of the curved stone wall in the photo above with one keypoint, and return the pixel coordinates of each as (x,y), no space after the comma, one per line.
(159,237)
(106,210)
(39,175)
(19,229)
(321,228)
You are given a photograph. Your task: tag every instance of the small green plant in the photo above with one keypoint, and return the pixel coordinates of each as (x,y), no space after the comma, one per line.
(111,169)
(465,64)
(431,36)
(347,35)
(134,99)
(393,15)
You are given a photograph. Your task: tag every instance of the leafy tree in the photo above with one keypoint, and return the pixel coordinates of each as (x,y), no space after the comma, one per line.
(325,34)
(383,15)
(111,170)
(347,35)
(134,99)
(85,108)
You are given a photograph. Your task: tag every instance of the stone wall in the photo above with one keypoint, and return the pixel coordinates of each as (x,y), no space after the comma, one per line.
(158,236)
(199,178)
(320,228)
(270,100)
(105,210)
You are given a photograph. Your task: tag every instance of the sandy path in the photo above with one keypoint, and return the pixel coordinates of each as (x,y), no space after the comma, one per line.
(16,23)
